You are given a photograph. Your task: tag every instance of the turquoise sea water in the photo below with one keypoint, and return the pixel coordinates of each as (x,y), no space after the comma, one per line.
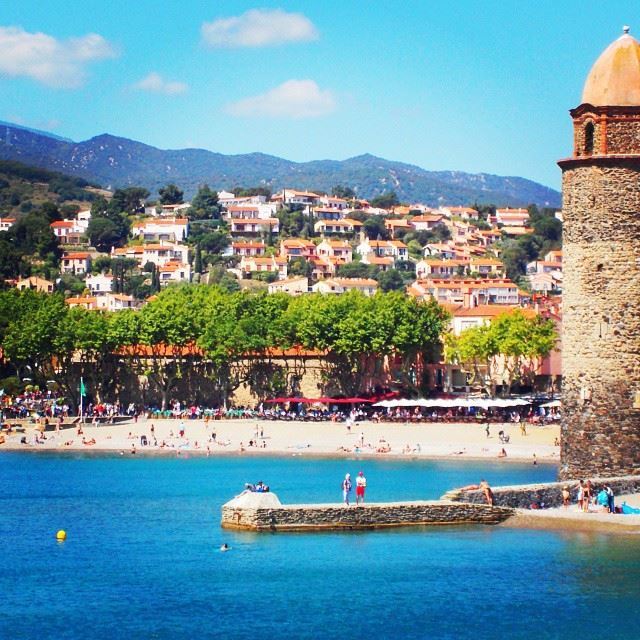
(141,559)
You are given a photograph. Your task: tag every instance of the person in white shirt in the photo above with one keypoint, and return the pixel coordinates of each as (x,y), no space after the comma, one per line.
(361,484)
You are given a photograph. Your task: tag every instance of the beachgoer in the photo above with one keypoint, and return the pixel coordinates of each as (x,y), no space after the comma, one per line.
(588,493)
(486,430)
(486,489)
(361,485)
(503,453)
(566,497)
(581,496)
(225,547)
(535,460)
(346,488)
(610,498)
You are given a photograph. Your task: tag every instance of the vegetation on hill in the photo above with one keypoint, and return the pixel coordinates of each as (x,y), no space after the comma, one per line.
(120,162)
(23,187)
(546,236)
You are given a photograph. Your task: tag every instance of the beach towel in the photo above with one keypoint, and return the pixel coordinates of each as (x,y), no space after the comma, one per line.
(630,511)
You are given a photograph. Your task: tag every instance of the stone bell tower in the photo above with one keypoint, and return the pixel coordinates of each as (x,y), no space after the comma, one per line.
(601,264)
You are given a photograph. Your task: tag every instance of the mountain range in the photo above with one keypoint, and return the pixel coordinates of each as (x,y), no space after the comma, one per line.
(119,162)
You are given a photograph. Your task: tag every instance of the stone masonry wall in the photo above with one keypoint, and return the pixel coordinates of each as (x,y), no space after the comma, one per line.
(370,516)
(522,496)
(600,432)
(613,134)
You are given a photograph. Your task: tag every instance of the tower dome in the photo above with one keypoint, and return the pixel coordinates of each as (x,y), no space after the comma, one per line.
(614,80)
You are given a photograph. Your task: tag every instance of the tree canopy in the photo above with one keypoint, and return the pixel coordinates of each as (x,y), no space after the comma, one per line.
(221,336)
(509,346)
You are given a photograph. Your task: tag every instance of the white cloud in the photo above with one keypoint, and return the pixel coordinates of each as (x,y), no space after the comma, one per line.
(292,99)
(259,28)
(52,62)
(155,83)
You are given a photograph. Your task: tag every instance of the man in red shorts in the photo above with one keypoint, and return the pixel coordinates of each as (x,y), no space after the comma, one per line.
(361,485)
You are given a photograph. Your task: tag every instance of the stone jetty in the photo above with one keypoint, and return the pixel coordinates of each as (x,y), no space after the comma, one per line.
(264,512)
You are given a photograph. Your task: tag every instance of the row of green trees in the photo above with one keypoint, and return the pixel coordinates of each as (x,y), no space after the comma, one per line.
(206,333)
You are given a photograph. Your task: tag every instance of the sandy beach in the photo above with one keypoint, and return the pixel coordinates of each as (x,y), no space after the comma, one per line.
(220,437)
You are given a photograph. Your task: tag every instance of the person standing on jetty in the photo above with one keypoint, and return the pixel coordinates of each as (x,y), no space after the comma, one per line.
(361,485)
(346,488)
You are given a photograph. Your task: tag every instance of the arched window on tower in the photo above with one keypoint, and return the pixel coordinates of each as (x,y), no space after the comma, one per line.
(588,138)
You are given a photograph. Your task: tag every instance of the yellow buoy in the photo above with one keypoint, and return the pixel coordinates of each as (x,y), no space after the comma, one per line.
(61,536)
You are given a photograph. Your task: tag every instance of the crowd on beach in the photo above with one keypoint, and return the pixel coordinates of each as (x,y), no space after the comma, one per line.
(49,405)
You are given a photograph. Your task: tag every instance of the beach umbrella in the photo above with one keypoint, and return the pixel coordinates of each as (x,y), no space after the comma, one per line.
(552,404)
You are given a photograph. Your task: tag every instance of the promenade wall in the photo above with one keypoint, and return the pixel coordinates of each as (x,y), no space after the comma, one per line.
(522,496)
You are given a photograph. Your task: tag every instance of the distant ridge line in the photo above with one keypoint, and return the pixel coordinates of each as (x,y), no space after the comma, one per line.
(115,162)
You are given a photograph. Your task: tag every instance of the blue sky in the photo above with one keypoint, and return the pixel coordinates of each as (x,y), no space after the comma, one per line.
(473,86)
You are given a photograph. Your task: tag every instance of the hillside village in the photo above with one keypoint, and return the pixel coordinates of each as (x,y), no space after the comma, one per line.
(118,252)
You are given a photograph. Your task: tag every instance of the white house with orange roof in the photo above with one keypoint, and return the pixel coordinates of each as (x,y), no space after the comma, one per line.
(509,217)
(326,213)
(487,267)
(333,202)
(435,268)
(395,249)
(133,252)
(260,210)
(324,267)
(6,223)
(227,199)
(77,263)
(465,213)
(116,302)
(469,317)
(554,256)
(174,271)
(297,248)
(384,263)
(158,253)
(340,249)
(265,264)
(292,286)
(367,286)
(168,209)
(338,227)
(487,237)
(63,229)
(427,221)
(443,250)
(545,282)
(393,225)
(99,284)
(306,199)
(253,226)
(157,229)
(247,248)
(164,252)
(467,291)
(85,302)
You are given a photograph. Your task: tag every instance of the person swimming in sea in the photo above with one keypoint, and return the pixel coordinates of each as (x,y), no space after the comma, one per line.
(225,547)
